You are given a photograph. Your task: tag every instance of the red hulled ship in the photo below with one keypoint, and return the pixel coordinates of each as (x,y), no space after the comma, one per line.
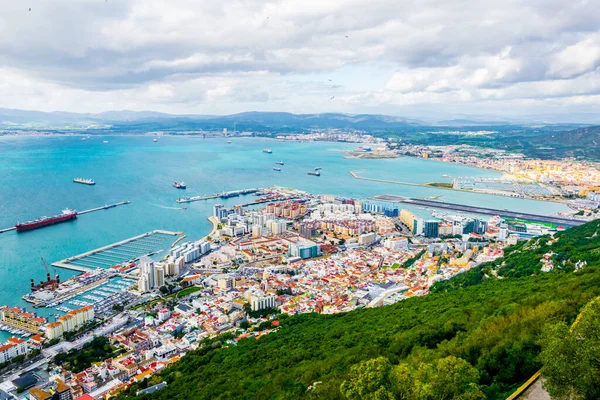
(67,215)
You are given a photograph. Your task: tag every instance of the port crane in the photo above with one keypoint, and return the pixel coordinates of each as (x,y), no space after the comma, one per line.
(45,267)
(47,271)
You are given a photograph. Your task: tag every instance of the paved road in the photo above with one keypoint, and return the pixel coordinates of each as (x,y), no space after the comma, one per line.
(535,392)
(477,210)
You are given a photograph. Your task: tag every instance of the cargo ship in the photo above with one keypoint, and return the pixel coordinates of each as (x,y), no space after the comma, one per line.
(279,163)
(179,185)
(276,169)
(84,181)
(314,173)
(67,215)
(268,151)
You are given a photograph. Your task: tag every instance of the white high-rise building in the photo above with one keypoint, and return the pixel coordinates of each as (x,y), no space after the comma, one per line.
(503,232)
(159,276)
(278,227)
(147,269)
(143,284)
(262,302)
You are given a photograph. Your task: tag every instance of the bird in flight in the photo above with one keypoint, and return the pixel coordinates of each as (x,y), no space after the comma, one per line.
(332,97)
(29,8)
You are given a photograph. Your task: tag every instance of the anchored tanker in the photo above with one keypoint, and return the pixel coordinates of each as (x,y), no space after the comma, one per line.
(67,215)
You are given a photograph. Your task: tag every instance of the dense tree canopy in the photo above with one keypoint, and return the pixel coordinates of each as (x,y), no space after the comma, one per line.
(571,356)
(465,341)
(99,349)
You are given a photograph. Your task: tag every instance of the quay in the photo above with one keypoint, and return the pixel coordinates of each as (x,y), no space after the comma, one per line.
(104,207)
(268,201)
(222,195)
(477,210)
(125,251)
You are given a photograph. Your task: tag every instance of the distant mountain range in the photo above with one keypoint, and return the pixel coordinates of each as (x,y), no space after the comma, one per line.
(533,139)
(253,121)
(582,142)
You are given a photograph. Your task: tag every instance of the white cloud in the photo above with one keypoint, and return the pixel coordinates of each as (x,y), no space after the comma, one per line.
(221,57)
(576,59)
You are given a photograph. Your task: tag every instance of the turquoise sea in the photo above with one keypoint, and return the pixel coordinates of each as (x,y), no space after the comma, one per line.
(36,176)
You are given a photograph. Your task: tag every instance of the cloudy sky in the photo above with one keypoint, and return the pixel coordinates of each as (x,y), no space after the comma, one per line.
(420,58)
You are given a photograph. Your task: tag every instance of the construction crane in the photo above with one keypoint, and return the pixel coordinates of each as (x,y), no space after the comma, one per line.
(46,268)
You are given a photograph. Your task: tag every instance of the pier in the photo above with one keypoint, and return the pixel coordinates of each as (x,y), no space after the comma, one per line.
(356,176)
(104,207)
(477,210)
(122,252)
(222,195)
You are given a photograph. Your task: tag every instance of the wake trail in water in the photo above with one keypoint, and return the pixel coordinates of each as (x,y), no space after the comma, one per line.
(166,207)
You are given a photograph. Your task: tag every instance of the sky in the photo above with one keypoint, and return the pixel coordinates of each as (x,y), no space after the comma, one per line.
(424,59)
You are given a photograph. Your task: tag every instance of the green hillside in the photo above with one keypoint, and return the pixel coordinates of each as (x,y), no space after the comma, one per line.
(477,336)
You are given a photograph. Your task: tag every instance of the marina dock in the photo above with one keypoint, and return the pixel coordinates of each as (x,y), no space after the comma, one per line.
(104,207)
(222,195)
(123,252)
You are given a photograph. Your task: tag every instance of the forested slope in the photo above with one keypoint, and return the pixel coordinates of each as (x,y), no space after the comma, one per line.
(486,332)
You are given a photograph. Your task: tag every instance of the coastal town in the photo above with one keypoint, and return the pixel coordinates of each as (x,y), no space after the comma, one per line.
(287,252)
(522,177)
(289,200)
(574,182)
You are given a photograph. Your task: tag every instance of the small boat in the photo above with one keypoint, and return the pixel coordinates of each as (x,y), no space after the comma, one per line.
(229,142)
(84,181)
(268,151)
(105,141)
(279,163)
(276,169)
(318,168)
(179,185)
(155,140)
(445,176)
(314,173)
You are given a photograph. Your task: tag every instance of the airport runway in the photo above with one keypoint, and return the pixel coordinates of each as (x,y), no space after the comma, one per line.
(477,210)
